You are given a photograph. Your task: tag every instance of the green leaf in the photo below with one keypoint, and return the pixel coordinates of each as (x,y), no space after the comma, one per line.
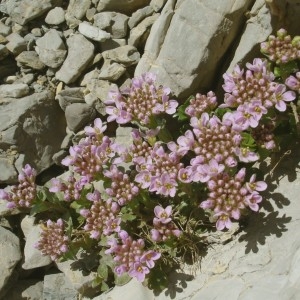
(180,114)
(97,282)
(103,271)
(123,279)
(104,287)
(39,207)
(41,195)
(128,217)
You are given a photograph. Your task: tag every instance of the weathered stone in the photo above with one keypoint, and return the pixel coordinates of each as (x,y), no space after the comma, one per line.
(140,15)
(126,55)
(39,128)
(78,8)
(4,29)
(51,49)
(100,88)
(90,14)
(78,115)
(112,44)
(26,10)
(258,28)
(180,58)
(140,33)
(80,277)
(157,5)
(9,172)
(3,39)
(10,255)
(93,32)
(80,54)
(25,289)
(112,22)
(16,44)
(69,96)
(14,90)
(3,52)
(55,16)
(29,59)
(33,257)
(111,70)
(125,6)
(58,286)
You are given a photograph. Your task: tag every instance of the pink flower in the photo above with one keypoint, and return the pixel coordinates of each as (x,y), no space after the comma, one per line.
(138,271)
(252,200)
(97,129)
(149,257)
(255,186)
(163,214)
(280,97)
(245,155)
(223,220)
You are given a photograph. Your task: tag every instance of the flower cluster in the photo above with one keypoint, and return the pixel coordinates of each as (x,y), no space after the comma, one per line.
(23,194)
(200,104)
(281,48)
(71,189)
(53,240)
(90,155)
(228,196)
(140,101)
(131,257)
(164,227)
(121,188)
(254,92)
(102,217)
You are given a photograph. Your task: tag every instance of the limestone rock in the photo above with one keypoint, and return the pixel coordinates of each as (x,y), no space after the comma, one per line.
(112,22)
(140,33)
(35,126)
(55,16)
(93,32)
(126,55)
(9,173)
(10,255)
(80,54)
(157,5)
(16,44)
(100,88)
(26,10)
(78,115)
(76,11)
(69,96)
(180,56)
(26,289)
(51,49)
(258,28)
(29,59)
(3,52)
(4,29)
(14,90)
(33,257)
(139,15)
(79,275)
(111,71)
(125,6)
(57,286)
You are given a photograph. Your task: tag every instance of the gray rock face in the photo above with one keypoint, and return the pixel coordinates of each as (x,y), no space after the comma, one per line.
(33,257)
(179,56)
(80,54)
(26,10)
(14,90)
(57,286)
(29,59)
(139,15)
(51,49)
(69,96)
(10,255)
(55,16)
(112,22)
(78,115)
(93,32)
(4,29)
(125,6)
(16,44)
(126,55)
(76,11)
(111,70)
(34,126)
